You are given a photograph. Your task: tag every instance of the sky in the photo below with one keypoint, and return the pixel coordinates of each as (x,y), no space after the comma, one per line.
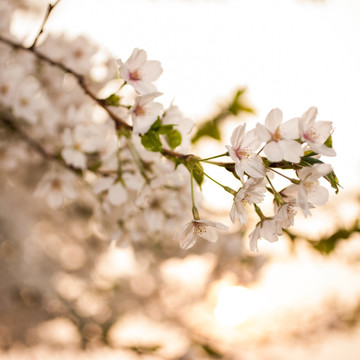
(290,54)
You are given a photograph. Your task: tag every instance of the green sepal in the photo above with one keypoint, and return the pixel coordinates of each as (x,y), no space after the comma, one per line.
(112,100)
(333,180)
(329,142)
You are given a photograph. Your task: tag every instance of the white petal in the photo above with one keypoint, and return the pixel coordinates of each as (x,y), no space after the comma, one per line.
(273,119)
(292,150)
(254,237)
(255,167)
(318,195)
(290,129)
(302,201)
(262,132)
(210,234)
(102,184)
(273,151)
(308,118)
(117,194)
(237,136)
(322,149)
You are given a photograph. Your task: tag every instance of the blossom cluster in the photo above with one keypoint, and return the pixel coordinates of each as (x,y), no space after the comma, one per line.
(110,132)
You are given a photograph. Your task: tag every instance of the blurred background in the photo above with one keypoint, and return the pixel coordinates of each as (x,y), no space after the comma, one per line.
(66,293)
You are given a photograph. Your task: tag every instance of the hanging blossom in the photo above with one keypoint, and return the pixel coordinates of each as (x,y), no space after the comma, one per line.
(56,187)
(198,229)
(242,151)
(252,192)
(315,133)
(116,192)
(280,138)
(309,192)
(140,72)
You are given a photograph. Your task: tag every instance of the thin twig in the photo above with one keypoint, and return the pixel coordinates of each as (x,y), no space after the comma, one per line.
(50,8)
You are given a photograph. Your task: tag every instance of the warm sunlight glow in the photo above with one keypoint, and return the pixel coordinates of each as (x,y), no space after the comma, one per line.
(235,305)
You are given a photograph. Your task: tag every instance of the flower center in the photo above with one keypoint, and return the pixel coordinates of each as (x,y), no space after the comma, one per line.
(277,135)
(199,229)
(135,75)
(243,153)
(139,111)
(311,135)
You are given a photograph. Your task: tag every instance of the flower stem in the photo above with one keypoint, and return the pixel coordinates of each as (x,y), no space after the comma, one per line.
(226,188)
(214,157)
(294,181)
(195,211)
(277,196)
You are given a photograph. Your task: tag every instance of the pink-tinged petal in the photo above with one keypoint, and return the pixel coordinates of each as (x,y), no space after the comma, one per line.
(255,167)
(237,136)
(302,201)
(268,230)
(292,150)
(290,129)
(308,118)
(152,70)
(214,224)
(323,129)
(318,195)
(210,234)
(238,211)
(188,240)
(262,133)
(143,87)
(251,140)
(137,59)
(273,151)
(290,192)
(322,149)
(273,119)
(254,238)
(239,169)
(117,194)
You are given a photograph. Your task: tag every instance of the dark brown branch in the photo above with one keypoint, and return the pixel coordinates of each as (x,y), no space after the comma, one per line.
(119,122)
(50,8)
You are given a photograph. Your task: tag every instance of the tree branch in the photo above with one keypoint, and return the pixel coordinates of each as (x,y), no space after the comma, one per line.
(50,8)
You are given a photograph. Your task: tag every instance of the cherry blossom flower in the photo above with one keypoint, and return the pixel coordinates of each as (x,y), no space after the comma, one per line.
(145,112)
(280,138)
(267,229)
(116,193)
(55,187)
(83,138)
(309,192)
(140,72)
(252,192)
(197,229)
(242,151)
(316,133)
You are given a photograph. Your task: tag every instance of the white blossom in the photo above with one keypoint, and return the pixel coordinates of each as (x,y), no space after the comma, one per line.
(145,112)
(280,138)
(140,72)
(197,229)
(309,192)
(55,187)
(251,193)
(116,193)
(242,151)
(316,133)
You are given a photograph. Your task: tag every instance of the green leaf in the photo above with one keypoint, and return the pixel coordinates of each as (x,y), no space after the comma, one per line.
(173,138)
(156,125)
(165,129)
(151,141)
(210,129)
(333,180)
